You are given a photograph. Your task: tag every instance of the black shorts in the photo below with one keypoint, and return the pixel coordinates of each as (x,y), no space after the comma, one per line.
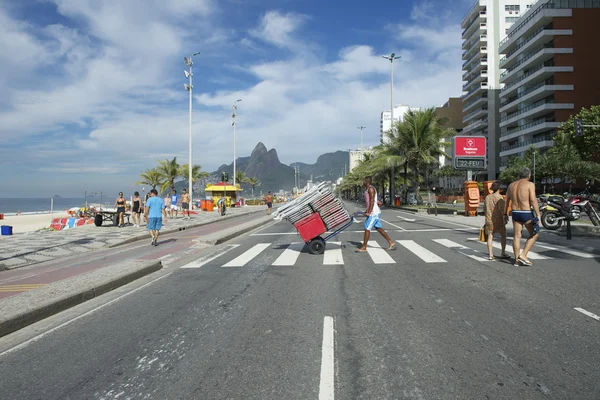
(120,210)
(270,205)
(185,206)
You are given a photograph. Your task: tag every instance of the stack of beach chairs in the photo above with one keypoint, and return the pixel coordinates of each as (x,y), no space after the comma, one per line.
(318,199)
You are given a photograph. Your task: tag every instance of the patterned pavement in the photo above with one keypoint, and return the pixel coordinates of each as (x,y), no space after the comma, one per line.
(33,247)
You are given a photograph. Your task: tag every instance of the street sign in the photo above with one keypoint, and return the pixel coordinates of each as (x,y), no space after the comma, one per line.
(578,127)
(470,163)
(469,146)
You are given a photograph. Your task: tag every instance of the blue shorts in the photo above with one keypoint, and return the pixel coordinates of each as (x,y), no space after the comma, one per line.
(521,216)
(154,224)
(373,222)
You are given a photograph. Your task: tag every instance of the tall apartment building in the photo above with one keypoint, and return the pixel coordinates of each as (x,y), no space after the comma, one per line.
(385,124)
(551,64)
(484,27)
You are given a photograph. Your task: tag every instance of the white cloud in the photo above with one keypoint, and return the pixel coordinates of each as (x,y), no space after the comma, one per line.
(277,29)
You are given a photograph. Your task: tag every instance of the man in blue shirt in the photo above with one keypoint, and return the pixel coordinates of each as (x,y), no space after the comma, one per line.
(174,203)
(154,213)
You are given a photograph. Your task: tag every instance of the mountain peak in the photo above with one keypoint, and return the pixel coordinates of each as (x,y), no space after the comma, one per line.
(259,150)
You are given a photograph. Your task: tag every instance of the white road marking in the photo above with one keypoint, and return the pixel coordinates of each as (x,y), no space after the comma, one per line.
(247,256)
(41,335)
(205,260)
(531,254)
(407,219)
(333,254)
(404,230)
(441,220)
(395,226)
(589,314)
(289,255)
(567,251)
(166,256)
(450,244)
(327,385)
(421,251)
(379,255)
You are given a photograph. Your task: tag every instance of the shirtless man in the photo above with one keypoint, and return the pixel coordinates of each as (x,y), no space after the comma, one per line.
(522,195)
(185,204)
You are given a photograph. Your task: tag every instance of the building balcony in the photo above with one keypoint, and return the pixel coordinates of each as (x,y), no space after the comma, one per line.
(543,36)
(476,56)
(477,89)
(544,142)
(535,110)
(475,126)
(478,113)
(476,79)
(536,126)
(530,22)
(473,13)
(531,95)
(540,73)
(479,101)
(539,56)
(475,25)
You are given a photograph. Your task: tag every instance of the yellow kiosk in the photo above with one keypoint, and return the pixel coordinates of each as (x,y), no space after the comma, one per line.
(222,189)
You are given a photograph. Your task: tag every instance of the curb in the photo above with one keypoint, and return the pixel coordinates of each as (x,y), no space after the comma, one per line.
(60,296)
(174,230)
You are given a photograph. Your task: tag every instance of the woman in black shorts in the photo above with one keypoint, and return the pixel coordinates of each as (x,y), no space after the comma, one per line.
(136,209)
(120,206)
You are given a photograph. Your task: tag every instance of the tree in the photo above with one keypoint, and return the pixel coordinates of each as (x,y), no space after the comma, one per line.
(253,182)
(150,177)
(240,177)
(169,170)
(197,173)
(588,144)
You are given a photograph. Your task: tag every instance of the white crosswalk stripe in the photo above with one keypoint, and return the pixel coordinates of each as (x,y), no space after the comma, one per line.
(247,256)
(531,254)
(458,247)
(333,254)
(378,255)
(289,255)
(421,251)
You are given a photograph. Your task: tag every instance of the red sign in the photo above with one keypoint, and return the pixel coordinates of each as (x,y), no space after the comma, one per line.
(469,146)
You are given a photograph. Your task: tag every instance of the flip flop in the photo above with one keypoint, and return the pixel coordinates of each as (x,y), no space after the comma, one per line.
(392,247)
(525,262)
(491,258)
(360,251)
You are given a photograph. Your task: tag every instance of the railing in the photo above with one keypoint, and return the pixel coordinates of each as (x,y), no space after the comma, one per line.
(477,18)
(472,113)
(526,92)
(471,102)
(525,21)
(549,63)
(533,53)
(526,143)
(524,127)
(475,5)
(528,108)
(504,59)
(479,75)
(477,54)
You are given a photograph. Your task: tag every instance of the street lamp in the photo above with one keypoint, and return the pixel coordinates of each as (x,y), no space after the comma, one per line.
(234,124)
(361,135)
(391,58)
(189,87)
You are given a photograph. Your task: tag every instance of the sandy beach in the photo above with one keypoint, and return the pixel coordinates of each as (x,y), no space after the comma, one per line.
(30,222)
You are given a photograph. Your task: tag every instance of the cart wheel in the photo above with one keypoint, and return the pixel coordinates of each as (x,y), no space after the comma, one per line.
(316,246)
(98,220)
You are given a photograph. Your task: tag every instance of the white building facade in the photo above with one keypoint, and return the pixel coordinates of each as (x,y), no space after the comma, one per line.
(356,156)
(484,27)
(385,120)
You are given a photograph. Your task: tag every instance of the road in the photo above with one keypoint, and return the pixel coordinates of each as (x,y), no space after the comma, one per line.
(260,318)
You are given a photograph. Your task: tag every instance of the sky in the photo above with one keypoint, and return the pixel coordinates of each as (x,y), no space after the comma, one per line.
(92,91)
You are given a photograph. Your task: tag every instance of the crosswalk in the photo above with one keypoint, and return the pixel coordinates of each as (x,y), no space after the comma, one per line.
(427,251)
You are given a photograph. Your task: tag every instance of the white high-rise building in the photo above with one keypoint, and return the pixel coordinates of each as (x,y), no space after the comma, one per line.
(484,27)
(384,122)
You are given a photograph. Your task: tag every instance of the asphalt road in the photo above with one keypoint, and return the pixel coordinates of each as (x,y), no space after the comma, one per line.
(260,318)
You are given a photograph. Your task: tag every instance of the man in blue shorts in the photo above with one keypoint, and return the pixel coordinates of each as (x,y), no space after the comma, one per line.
(154,213)
(373,217)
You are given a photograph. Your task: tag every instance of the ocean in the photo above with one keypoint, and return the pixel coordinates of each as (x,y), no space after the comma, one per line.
(25,205)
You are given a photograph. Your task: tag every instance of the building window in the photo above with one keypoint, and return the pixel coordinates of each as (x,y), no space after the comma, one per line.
(512,8)
(510,20)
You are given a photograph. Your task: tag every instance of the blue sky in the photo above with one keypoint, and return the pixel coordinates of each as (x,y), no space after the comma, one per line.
(92,90)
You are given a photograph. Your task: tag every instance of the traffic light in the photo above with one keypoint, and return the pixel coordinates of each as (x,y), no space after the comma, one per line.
(225,177)
(578,127)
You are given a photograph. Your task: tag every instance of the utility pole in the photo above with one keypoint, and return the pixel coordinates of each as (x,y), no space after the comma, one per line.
(391,58)
(188,62)
(361,135)
(234,124)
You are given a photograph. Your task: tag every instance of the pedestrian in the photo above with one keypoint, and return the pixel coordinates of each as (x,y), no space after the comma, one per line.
(269,201)
(120,204)
(167,201)
(185,204)
(155,213)
(136,209)
(494,220)
(521,197)
(174,203)
(373,214)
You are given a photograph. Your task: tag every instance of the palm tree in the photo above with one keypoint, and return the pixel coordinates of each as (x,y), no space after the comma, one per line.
(169,170)
(150,177)
(197,173)
(253,182)
(240,177)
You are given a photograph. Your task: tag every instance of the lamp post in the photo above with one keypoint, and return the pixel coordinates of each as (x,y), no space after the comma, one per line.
(234,124)
(391,58)
(361,135)
(189,87)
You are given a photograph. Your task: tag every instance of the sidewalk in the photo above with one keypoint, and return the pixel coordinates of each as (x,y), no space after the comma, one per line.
(34,247)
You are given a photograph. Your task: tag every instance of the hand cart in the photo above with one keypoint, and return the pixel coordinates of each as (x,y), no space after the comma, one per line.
(315,213)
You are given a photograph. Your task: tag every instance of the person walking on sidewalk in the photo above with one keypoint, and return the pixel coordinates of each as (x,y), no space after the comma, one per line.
(136,209)
(494,220)
(185,204)
(522,195)
(155,213)
(120,204)
(373,216)
(174,204)
(269,201)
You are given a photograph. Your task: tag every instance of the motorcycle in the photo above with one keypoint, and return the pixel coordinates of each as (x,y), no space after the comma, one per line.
(555,210)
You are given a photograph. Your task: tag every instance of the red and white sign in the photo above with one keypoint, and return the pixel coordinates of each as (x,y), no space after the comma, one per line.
(469,146)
